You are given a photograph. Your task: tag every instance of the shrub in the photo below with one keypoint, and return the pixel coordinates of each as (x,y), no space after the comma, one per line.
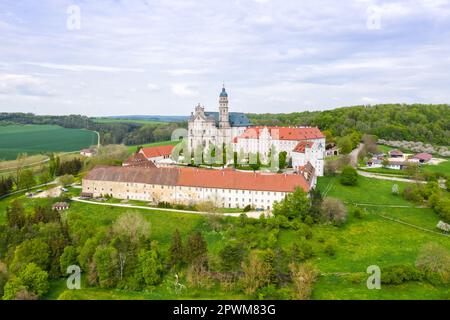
(398,274)
(333,211)
(349,176)
(357,212)
(330,249)
(434,262)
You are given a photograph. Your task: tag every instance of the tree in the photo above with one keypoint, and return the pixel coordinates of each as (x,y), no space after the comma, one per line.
(150,265)
(132,225)
(197,249)
(334,211)
(256,273)
(231,256)
(349,176)
(31,251)
(294,205)
(345,144)
(282,159)
(434,261)
(4,276)
(447,184)
(68,258)
(66,180)
(15,214)
(30,283)
(107,265)
(176,251)
(26,179)
(303,277)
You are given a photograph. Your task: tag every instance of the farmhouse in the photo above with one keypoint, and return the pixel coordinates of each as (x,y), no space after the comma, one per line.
(226,188)
(159,155)
(421,158)
(60,206)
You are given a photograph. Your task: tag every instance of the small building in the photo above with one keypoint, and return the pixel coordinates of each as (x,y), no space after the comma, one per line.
(87,152)
(156,154)
(395,154)
(60,206)
(331,150)
(421,158)
(396,165)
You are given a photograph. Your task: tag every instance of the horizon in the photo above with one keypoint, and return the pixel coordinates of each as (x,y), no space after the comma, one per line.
(146,57)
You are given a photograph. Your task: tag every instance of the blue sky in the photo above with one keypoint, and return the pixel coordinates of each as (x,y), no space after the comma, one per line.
(163,57)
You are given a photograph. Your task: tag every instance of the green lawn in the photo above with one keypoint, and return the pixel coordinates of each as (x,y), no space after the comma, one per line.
(35,139)
(443,167)
(372,191)
(359,243)
(154,144)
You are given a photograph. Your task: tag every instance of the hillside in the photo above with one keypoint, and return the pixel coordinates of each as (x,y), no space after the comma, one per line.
(417,122)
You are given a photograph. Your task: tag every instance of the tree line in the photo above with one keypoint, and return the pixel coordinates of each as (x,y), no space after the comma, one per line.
(110,133)
(416,122)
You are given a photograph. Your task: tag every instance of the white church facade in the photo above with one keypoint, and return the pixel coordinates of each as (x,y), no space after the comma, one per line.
(302,145)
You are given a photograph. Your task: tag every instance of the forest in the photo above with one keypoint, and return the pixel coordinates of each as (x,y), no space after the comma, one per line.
(416,122)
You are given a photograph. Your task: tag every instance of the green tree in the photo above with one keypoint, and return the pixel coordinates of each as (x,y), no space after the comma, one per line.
(197,251)
(15,214)
(349,176)
(345,145)
(282,159)
(294,205)
(151,266)
(66,180)
(26,179)
(31,280)
(231,256)
(176,251)
(107,266)
(31,251)
(68,258)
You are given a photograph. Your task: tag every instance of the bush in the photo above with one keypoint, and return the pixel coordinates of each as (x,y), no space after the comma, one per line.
(357,212)
(333,211)
(349,176)
(330,249)
(247,208)
(434,262)
(399,274)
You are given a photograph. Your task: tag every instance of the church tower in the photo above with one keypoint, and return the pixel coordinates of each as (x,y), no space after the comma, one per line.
(224,118)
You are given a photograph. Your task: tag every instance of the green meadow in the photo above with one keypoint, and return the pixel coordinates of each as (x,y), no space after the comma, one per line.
(360,242)
(35,139)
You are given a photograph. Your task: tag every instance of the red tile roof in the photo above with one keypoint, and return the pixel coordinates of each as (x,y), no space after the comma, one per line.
(192,177)
(138,160)
(423,156)
(395,153)
(152,152)
(284,133)
(302,145)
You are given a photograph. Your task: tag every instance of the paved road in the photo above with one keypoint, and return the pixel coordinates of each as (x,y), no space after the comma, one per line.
(252,214)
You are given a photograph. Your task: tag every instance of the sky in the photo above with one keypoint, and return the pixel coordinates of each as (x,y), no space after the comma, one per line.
(126,57)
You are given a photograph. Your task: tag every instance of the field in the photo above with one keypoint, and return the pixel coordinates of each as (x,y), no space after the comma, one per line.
(370,240)
(36,139)
(115,120)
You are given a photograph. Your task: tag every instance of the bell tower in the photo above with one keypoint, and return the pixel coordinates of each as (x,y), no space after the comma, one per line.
(224,118)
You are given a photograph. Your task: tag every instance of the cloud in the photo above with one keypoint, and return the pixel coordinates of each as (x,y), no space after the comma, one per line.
(82,68)
(183,90)
(152,87)
(22,84)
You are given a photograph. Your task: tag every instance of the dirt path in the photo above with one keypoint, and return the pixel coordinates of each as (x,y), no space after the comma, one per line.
(382,177)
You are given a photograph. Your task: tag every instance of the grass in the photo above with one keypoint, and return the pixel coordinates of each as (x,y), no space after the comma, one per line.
(386,171)
(371,240)
(371,191)
(153,144)
(443,168)
(36,139)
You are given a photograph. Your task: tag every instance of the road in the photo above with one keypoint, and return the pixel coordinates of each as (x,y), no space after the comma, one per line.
(382,177)
(354,155)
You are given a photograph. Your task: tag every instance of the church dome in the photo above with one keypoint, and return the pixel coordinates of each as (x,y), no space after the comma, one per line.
(223,93)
